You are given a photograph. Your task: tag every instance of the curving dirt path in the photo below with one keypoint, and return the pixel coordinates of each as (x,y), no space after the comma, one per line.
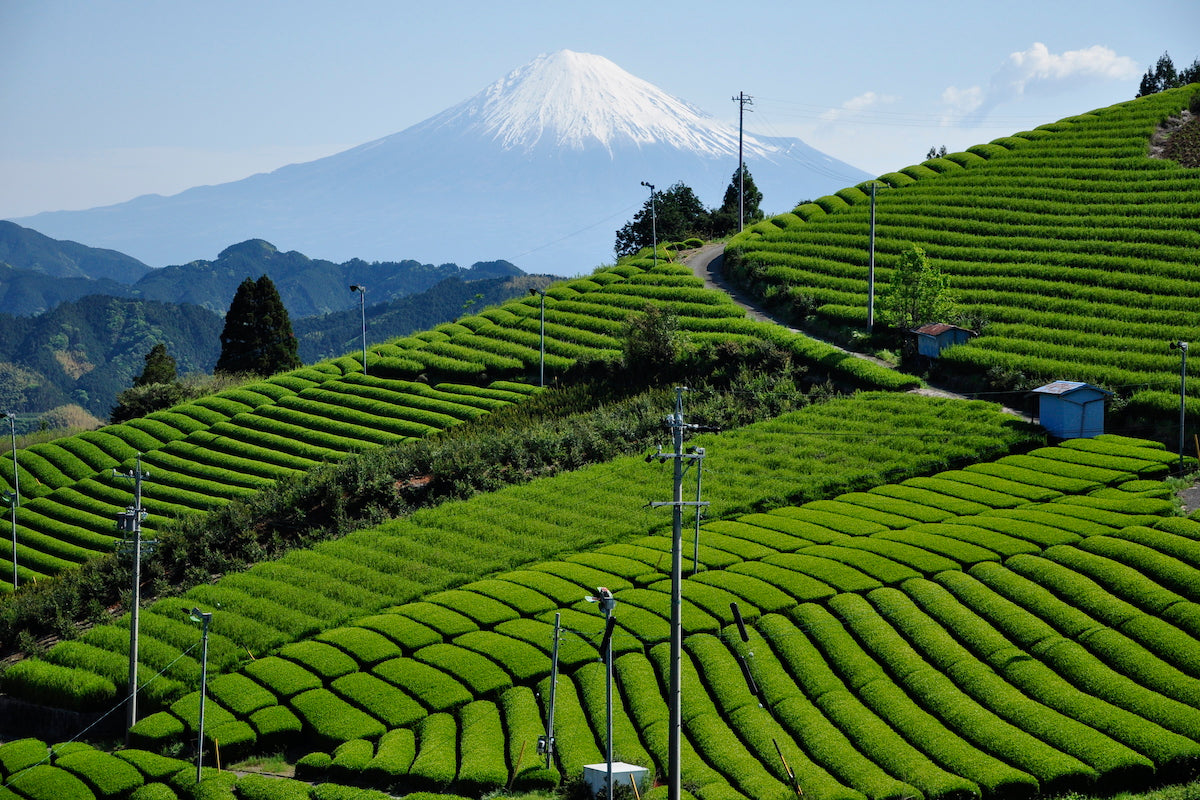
(708,264)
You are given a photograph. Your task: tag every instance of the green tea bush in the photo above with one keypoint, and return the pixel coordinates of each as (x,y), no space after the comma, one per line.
(436,762)
(482,764)
(263,787)
(378,698)
(438,690)
(44,782)
(479,673)
(332,719)
(393,757)
(152,766)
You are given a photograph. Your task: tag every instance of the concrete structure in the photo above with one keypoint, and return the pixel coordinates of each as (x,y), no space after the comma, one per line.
(596,776)
(935,337)
(1071,410)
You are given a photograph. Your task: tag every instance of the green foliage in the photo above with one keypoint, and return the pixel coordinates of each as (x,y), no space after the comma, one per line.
(725,218)
(674,215)
(258,337)
(916,294)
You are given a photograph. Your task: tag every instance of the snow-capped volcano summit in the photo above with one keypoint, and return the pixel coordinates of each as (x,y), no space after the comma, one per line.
(540,168)
(577,100)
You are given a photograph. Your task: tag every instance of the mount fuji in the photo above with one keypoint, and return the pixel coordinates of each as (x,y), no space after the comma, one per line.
(540,169)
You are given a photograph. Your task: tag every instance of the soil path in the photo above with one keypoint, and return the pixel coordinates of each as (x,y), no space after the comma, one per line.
(708,264)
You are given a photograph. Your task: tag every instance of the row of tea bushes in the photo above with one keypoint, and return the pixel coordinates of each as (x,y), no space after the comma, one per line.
(228,446)
(1075,245)
(889,684)
(307,591)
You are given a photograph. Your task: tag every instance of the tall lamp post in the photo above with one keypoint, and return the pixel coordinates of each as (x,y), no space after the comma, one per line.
(542,338)
(653,222)
(871,266)
(362,309)
(204,618)
(608,604)
(1182,347)
(15,500)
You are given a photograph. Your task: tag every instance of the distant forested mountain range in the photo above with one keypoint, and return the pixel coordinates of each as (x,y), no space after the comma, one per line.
(76,322)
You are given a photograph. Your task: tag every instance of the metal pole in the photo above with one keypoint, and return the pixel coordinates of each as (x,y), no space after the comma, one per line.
(608,696)
(871,268)
(16,502)
(675,737)
(542,344)
(696,541)
(653,223)
(130,521)
(362,308)
(553,689)
(204,618)
(1183,351)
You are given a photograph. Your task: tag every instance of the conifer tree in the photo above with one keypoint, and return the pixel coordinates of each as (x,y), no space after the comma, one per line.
(258,337)
(160,367)
(725,218)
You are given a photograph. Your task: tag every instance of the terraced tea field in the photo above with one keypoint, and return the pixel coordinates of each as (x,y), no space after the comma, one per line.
(1020,626)
(203,454)
(1077,248)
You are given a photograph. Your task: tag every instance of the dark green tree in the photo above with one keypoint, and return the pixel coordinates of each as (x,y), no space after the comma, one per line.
(725,218)
(258,337)
(160,367)
(677,214)
(652,340)
(1165,76)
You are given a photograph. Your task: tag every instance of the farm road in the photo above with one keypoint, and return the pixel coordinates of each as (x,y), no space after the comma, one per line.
(707,263)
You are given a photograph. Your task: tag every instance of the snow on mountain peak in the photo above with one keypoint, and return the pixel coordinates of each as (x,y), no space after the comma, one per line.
(578,100)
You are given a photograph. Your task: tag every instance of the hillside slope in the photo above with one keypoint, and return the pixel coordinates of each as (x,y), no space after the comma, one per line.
(1076,250)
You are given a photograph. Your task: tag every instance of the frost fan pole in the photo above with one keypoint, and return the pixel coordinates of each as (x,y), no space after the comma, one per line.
(677,425)
(129,521)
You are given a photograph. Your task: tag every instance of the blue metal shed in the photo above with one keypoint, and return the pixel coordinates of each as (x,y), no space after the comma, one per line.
(935,337)
(1072,410)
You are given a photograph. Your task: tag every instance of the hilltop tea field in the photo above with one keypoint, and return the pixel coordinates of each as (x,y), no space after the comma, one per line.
(886,594)
(1076,250)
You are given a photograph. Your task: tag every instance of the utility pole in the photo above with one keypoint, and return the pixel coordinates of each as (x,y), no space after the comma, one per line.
(742,100)
(546,745)
(675,734)
(871,267)
(129,522)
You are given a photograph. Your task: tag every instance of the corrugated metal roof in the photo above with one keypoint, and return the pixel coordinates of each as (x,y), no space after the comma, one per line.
(1066,387)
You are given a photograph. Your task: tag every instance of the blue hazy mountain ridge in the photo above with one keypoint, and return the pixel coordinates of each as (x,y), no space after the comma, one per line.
(538,169)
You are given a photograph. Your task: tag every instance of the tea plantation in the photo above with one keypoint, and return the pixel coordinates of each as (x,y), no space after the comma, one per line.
(1076,249)
(891,596)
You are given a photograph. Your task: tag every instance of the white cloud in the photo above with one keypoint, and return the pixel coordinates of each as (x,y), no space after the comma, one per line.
(855,105)
(1037,71)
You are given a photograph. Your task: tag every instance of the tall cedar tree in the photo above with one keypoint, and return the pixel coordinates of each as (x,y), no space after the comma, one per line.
(725,218)
(677,214)
(160,367)
(258,336)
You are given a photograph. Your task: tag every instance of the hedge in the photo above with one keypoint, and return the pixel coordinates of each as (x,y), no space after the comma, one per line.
(332,719)
(436,762)
(482,765)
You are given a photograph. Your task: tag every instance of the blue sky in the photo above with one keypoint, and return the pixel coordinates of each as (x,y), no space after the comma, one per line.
(107,100)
